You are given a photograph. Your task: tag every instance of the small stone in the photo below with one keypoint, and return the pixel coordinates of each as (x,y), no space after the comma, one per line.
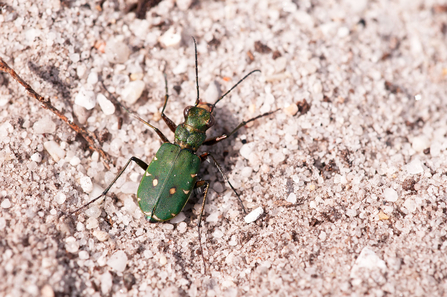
(75,161)
(71,245)
(106,105)
(60,198)
(163,260)
(247,150)
(183,4)
(101,235)
(218,234)
(246,171)
(369,260)
(383,216)
(44,125)
(170,38)
(178,218)
(54,150)
(85,99)
(91,223)
(291,110)
(106,283)
(410,205)
(93,211)
(217,186)
(213,217)
(86,184)
(181,227)
(390,195)
(36,157)
(81,113)
(291,198)
(414,167)
(47,291)
(83,255)
(132,92)
(117,52)
(92,78)
(81,70)
(6,203)
(118,261)
(420,143)
(211,93)
(254,215)
(80,227)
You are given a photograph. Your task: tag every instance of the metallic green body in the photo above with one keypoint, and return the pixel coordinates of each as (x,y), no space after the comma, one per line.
(168,182)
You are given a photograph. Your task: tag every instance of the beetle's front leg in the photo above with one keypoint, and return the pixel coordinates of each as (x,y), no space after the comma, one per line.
(139,162)
(201,184)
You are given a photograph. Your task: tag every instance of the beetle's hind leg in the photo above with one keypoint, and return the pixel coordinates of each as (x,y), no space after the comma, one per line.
(200,184)
(139,162)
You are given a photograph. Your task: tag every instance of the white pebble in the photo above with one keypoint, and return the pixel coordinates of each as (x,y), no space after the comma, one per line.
(117,52)
(183,4)
(291,198)
(3,223)
(246,171)
(83,255)
(217,186)
(213,217)
(86,184)
(54,150)
(60,198)
(247,150)
(85,99)
(106,105)
(410,205)
(132,92)
(170,38)
(414,167)
(211,93)
(6,203)
(71,245)
(129,187)
(420,143)
(322,236)
(181,227)
(47,291)
(101,235)
(106,283)
(81,70)
(75,57)
(218,234)
(177,219)
(390,195)
(181,67)
(93,211)
(75,161)
(343,32)
(254,215)
(91,223)
(367,259)
(36,157)
(80,227)
(44,125)
(118,261)
(92,78)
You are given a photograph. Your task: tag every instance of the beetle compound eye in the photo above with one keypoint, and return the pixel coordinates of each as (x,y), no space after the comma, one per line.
(210,122)
(186,111)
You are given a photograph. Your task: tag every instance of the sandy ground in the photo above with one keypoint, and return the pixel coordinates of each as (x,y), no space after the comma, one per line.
(350,173)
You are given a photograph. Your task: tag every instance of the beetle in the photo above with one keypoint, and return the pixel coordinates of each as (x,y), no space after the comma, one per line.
(171,176)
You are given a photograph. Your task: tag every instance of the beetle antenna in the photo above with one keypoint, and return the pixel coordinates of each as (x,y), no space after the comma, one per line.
(197,73)
(257,70)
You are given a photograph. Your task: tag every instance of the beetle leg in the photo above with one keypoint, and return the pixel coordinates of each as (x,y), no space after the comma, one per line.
(135,116)
(203,158)
(139,162)
(217,139)
(167,120)
(200,184)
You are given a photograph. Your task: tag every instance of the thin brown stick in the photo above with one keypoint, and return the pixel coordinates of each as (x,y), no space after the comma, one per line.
(46,103)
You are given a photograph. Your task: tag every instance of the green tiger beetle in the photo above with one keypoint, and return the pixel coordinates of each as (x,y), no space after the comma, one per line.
(170,178)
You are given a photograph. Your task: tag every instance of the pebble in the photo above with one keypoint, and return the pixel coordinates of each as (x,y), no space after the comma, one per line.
(246,171)
(36,157)
(218,234)
(410,205)
(85,99)
(217,186)
(132,92)
(163,260)
(93,211)
(367,259)
(47,291)
(106,283)
(92,78)
(54,150)
(86,184)
(91,223)
(81,113)
(60,198)
(106,105)
(170,38)
(254,215)
(44,125)
(247,150)
(291,198)
(213,217)
(182,226)
(118,261)
(414,167)
(71,245)
(6,203)
(177,219)
(83,255)
(390,195)
(183,4)
(420,143)
(117,52)
(291,110)
(211,93)
(383,216)
(101,235)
